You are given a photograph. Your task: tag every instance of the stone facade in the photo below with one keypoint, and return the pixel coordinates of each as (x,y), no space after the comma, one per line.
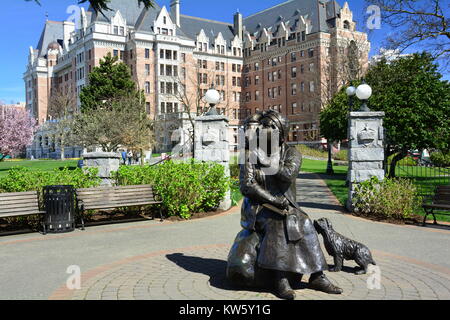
(211,144)
(366,149)
(105,162)
(279,58)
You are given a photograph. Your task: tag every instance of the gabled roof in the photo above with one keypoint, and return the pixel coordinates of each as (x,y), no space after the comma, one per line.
(130,10)
(53,32)
(191,27)
(317,11)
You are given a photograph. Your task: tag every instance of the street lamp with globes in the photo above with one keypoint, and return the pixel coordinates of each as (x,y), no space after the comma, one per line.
(351,91)
(212,97)
(364,92)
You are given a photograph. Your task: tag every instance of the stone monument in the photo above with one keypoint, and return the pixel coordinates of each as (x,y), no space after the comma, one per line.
(366,149)
(106,162)
(211,144)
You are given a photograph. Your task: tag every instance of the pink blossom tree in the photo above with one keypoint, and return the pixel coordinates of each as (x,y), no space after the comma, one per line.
(16,131)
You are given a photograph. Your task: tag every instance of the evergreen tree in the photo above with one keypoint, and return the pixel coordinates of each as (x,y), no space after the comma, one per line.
(109,81)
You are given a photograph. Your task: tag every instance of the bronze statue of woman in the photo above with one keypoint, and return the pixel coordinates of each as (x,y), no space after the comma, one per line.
(278,239)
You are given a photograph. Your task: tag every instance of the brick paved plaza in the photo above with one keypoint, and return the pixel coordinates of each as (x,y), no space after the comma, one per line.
(187,260)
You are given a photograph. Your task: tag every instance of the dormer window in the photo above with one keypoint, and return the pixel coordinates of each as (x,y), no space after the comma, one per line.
(116,30)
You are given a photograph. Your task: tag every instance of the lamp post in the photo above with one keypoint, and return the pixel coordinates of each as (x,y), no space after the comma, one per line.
(351,91)
(364,92)
(212,97)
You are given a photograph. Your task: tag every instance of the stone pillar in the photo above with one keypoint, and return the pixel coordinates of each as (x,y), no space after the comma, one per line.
(211,144)
(366,149)
(106,162)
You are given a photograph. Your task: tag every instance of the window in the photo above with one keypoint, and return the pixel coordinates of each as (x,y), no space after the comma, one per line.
(217,65)
(256,66)
(162,87)
(293,57)
(116,53)
(161,54)
(175,55)
(222,66)
(168,70)
(257,95)
(183,57)
(122,31)
(169,54)
(147,69)
(116,30)
(279,74)
(256,79)
(311,67)
(169,88)
(302,69)
(302,87)
(310,53)
(165,20)
(293,89)
(294,108)
(147,107)
(175,71)
(147,53)
(294,72)
(163,107)
(147,87)
(311,86)
(161,69)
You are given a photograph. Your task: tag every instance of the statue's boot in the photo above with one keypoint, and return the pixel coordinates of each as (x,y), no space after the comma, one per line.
(320,282)
(282,288)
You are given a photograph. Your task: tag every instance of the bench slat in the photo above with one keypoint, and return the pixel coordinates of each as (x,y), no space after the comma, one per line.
(117,202)
(114,194)
(22,213)
(6,208)
(20,209)
(105,189)
(12,201)
(19,194)
(17,198)
(110,205)
(118,196)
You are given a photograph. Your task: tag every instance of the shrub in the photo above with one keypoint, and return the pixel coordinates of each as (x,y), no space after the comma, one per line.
(390,198)
(184,188)
(20,179)
(342,155)
(408,161)
(440,159)
(235,170)
(307,151)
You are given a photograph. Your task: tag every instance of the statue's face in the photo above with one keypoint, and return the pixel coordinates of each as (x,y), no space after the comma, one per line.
(271,129)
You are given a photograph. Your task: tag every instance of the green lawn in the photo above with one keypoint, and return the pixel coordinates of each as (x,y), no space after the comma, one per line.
(424,179)
(46,165)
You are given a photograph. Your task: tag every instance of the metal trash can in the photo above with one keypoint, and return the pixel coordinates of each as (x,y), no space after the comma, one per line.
(59,203)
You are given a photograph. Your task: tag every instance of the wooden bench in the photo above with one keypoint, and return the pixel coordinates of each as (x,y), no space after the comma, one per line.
(19,204)
(440,201)
(109,198)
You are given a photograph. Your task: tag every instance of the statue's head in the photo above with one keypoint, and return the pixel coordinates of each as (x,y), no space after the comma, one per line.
(272,121)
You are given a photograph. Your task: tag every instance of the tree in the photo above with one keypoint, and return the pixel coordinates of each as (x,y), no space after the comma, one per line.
(100,6)
(416,102)
(16,131)
(417,22)
(118,123)
(107,82)
(62,108)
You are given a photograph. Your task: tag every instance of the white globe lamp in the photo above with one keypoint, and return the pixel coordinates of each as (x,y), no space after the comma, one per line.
(212,97)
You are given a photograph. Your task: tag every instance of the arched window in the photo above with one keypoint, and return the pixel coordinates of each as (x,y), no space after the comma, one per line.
(346,24)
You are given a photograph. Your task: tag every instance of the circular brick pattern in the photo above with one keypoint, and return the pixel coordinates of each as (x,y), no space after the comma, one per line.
(200,275)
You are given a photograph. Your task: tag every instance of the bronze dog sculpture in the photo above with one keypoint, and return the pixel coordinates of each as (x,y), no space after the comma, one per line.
(342,248)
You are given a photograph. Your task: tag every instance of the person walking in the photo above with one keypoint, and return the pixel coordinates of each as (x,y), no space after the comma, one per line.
(124,157)
(130,157)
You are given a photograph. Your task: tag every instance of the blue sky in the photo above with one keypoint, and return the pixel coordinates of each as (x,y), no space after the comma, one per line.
(22,24)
